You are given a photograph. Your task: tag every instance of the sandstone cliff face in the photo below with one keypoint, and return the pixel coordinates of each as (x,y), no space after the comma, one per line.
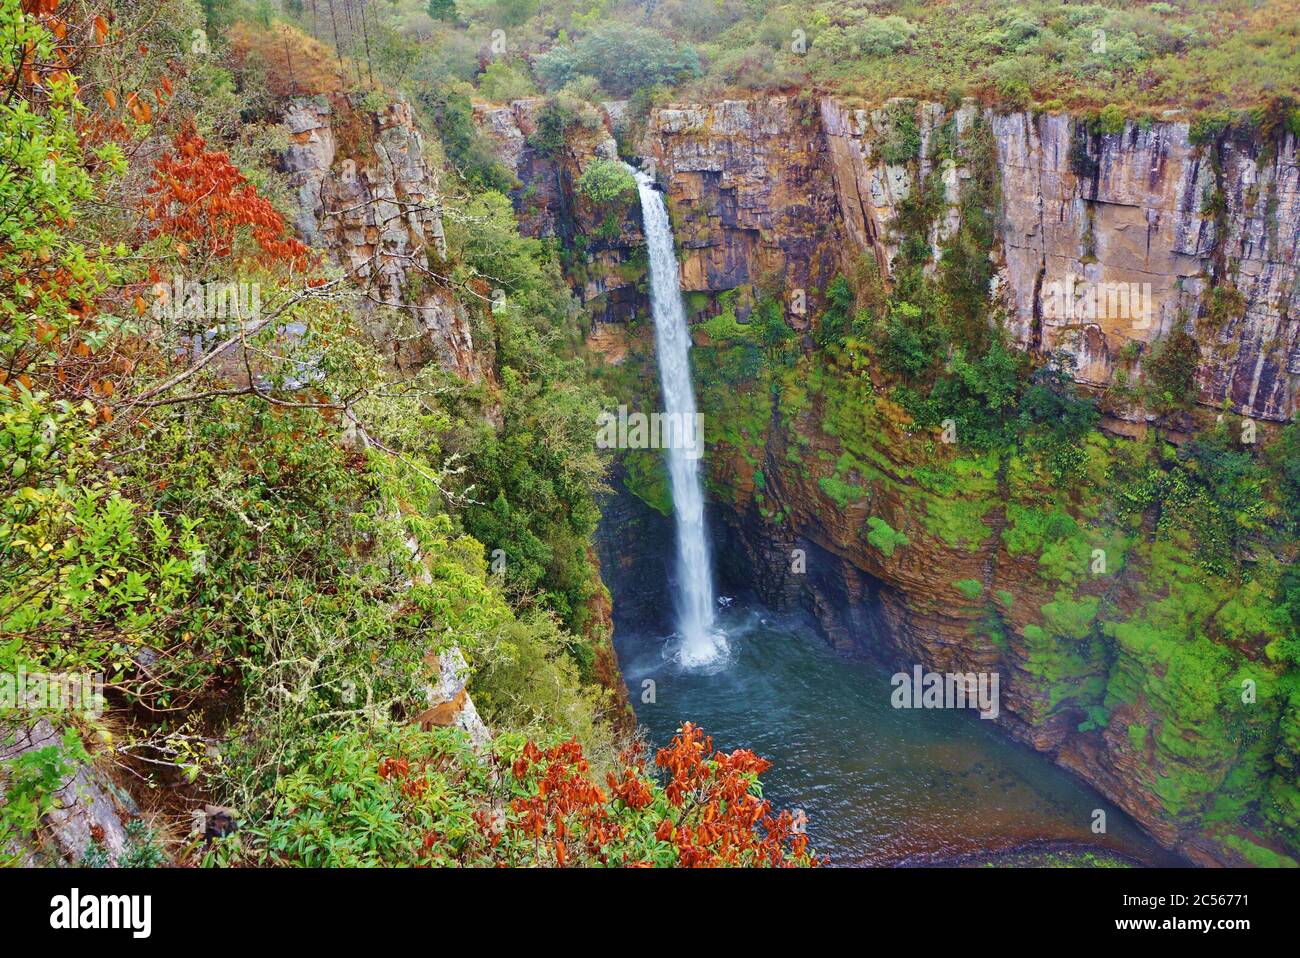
(870,189)
(1135,208)
(368,197)
(751,197)
(1145,219)
(1107,241)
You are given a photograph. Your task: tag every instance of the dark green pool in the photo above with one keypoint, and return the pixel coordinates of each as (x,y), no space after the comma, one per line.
(879,785)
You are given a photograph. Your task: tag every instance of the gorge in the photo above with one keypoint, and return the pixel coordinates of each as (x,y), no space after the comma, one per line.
(826,500)
(651,433)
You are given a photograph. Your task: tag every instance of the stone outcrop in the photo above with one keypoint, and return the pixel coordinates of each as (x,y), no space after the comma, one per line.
(367,195)
(870,189)
(88,810)
(752,199)
(605,268)
(1107,241)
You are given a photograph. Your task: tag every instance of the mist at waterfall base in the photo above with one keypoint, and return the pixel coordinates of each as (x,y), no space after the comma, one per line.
(879,785)
(699,641)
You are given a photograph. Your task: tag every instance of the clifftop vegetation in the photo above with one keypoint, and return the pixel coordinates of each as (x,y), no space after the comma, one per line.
(1199,57)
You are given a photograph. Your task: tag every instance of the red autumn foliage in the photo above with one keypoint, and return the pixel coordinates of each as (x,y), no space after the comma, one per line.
(552,812)
(199,197)
(720,810)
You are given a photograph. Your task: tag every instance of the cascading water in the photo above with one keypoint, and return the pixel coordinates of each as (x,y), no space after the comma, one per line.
(700,641)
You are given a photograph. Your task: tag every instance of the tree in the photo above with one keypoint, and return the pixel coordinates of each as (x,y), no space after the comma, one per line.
(622,58)
(443,10)
(200,199)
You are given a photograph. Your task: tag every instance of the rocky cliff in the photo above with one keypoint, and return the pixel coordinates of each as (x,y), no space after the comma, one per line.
(1107,239)
(605,267)
(367,195)
(827,497)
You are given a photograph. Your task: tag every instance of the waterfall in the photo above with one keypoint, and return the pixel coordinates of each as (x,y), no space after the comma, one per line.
(700,641)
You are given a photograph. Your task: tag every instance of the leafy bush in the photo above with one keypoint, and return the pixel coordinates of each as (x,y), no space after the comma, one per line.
(623,58)
(504,81)
(607,183)
(1170,373)
(883,536)
(881,36)
(396,796)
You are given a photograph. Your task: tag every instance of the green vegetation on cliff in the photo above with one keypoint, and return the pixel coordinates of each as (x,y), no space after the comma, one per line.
(1150,583)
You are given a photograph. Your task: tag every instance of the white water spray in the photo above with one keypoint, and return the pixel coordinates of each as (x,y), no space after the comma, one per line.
(701,643)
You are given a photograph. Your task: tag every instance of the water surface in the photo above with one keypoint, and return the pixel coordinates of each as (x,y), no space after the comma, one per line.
(879,785)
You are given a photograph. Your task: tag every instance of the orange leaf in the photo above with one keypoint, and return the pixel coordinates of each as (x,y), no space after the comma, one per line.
(101,29)
(111,97)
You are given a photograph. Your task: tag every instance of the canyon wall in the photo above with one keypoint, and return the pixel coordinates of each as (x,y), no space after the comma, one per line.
(367,196)
(1108,241)
(773,186)
(825,497)
(972,589)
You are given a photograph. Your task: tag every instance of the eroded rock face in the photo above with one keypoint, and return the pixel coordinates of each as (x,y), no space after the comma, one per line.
(870,189)
(607,267)
(1107,241)
(1135,212)
(901,607)
(367,196)
(753,199)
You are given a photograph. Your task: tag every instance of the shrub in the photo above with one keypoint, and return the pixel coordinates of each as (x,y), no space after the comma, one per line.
(1111,120)
(505,82)
(1171,371)
(395,796)
(884,537)
(607,183)
(881,36)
